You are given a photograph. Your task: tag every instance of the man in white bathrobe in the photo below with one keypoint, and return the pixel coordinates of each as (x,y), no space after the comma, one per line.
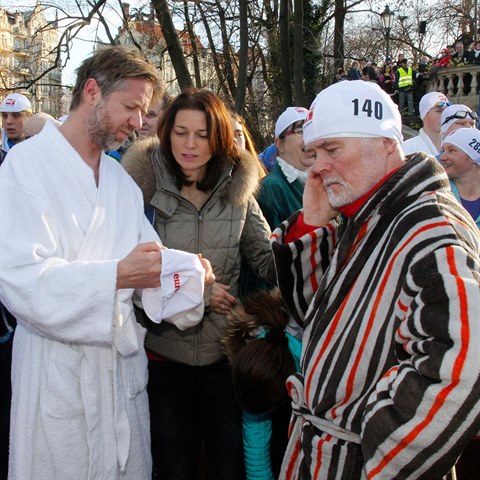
(74,245)
(428,140)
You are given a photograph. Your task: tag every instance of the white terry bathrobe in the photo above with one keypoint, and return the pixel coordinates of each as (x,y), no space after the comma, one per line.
(79,373)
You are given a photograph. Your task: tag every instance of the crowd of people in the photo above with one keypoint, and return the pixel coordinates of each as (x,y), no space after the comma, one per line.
(405,82)
(175,306)
(399,79)
(456,55)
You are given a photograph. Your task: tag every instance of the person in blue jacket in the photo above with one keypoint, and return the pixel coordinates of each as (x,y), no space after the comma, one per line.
(264,346)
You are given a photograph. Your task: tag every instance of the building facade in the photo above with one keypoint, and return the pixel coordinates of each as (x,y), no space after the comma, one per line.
(143,30)
(27,43)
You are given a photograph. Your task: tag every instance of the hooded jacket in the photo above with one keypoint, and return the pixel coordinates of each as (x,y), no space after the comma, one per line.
(230,225)
(265,310)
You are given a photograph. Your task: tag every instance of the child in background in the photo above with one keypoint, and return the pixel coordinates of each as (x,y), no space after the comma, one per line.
(264,349)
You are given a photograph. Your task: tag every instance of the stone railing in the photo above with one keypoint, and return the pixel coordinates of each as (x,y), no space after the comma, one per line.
(460,84)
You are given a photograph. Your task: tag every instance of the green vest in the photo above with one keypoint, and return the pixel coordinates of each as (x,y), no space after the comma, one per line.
(406,77)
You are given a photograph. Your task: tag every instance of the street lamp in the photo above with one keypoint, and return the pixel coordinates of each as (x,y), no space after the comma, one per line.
(387,20)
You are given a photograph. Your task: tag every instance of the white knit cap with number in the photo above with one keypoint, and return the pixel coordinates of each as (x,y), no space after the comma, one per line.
(353,109)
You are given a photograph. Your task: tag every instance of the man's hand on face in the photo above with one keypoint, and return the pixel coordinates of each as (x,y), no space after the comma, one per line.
(317,210)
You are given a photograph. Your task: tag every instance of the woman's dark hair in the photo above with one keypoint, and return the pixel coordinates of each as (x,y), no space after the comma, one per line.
(260,371)
(260,366)
(219,131)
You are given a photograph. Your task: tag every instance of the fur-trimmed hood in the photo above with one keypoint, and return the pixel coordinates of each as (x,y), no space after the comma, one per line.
(138,161)
(262,309)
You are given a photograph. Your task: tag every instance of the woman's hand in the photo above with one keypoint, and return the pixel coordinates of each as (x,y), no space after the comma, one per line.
(209,275)
(220,300)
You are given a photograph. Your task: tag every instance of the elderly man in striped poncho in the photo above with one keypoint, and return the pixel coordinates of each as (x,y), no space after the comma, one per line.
(389,295)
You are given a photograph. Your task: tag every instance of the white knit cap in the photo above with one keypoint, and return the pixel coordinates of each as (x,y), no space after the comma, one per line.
(428,101)
(467,140)
(15,102)
(448,112)
(353,109)
(182,286)
(290,116)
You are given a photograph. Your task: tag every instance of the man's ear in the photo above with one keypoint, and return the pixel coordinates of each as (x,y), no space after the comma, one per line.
(390,145)
(279,144)
(91,91)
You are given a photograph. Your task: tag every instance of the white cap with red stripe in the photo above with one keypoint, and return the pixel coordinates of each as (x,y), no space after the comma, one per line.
(15,102)
(353,109)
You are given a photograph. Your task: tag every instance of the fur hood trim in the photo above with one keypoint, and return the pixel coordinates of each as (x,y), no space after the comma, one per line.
(243,183)
(138,164)
(262,309)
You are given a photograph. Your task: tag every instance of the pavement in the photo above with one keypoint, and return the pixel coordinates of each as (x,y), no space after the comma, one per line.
(408,132)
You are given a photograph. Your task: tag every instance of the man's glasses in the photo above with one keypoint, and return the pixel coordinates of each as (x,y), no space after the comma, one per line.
(461,115)
(295,131)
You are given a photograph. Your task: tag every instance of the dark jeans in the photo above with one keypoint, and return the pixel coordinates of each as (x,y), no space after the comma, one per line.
(467,465)
(5,399)
(280,423)
(6,342)
(402,94)
(191,407)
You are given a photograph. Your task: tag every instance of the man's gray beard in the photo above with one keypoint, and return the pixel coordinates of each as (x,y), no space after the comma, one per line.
(341,199)
(347,196)
(99,129)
